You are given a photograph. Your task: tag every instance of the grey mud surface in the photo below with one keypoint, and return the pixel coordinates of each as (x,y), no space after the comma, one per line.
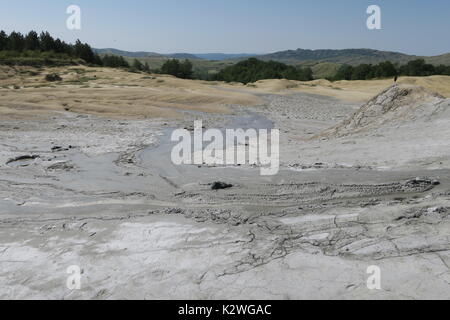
(104,195)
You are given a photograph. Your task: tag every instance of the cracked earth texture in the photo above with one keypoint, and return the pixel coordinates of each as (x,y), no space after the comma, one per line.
(104,195)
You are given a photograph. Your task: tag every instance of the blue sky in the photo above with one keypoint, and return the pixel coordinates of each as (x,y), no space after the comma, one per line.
(236,26)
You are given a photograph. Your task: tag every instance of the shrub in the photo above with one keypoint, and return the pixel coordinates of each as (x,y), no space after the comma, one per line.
(174,67)
(252,70)
(52,77)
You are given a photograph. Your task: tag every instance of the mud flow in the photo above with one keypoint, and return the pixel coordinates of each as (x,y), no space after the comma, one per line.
(359,185)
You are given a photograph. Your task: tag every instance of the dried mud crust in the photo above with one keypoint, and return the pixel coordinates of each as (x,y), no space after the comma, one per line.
(142,228)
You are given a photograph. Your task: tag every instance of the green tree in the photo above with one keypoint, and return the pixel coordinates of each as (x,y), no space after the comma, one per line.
(307,74)
(252,69)
(62,47)
(385,70)
(98,60)
(113,61)
(138,65)
(443,70)
(171,67)
(32,41)
(16,42)
(146,68)
(362,72)
(186,70)
(3,40)
(47,43)
(345,72)
(174,67)
(84,52)
(417,68)
(123,63)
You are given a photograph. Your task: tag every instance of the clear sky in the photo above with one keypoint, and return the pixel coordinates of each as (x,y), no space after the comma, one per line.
(420,27)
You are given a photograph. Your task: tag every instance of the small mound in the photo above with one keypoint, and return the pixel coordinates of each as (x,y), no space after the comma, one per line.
(396,103)
(275,85)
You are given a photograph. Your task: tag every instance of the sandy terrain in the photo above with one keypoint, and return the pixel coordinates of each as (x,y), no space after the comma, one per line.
(110,93)
(119,94)
(353,91)
(86,179)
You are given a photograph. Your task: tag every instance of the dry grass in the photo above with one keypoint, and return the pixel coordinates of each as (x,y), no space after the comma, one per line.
(121,94)
(354,91)
(110,93)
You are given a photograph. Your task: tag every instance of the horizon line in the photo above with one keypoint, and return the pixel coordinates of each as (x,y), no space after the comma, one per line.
(267,53)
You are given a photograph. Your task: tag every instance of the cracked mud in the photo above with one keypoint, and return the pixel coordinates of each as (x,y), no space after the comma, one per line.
(104,195)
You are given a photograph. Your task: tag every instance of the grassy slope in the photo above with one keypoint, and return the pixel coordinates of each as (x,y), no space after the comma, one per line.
(200,65)
(108,92)
(120,94)
(441,59)
(324,63)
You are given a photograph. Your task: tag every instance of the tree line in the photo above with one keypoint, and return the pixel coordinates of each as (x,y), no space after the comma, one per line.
(44,45)
(114,61)
(42,48)
(177,68)
(174,67)
(414,68)
(252,70)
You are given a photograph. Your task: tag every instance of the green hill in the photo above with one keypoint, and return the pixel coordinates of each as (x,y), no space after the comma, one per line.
(117,52)
(324,63)
(437,60)
(345,56)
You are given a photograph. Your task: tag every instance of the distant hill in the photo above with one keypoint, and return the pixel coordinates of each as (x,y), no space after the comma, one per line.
(345,56)
(139,54)
(441,59)
(299,56)
(324,63)
(182,56)
(223,56)
(294,57)
(191,56)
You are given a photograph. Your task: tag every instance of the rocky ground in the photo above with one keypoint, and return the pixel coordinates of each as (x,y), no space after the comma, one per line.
(102,194)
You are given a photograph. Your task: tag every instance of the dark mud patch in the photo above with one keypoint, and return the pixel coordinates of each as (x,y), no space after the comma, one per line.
(218,185)
(22,161)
